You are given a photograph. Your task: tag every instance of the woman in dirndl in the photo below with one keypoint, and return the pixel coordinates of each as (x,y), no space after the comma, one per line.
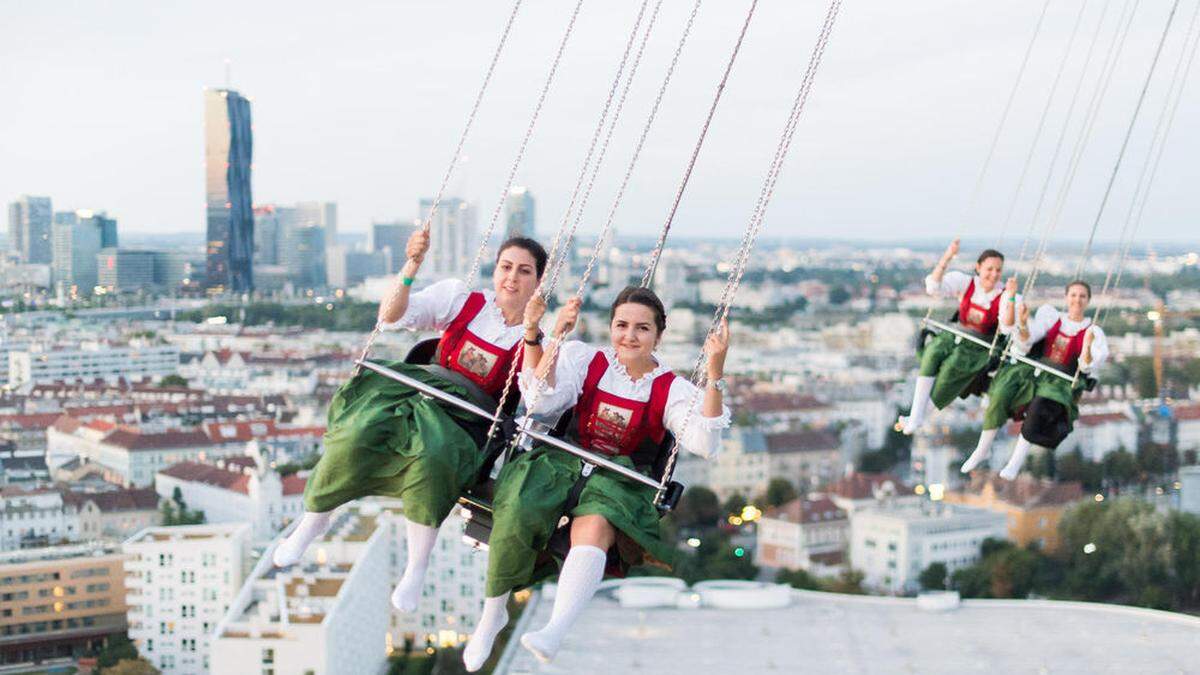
(950,364)
(385,438)
(1067,342)
(625,399)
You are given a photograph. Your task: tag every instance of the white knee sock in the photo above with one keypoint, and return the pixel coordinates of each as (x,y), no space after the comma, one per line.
(420,541)
(582,572)
(1020,452)
(493,619)
(982,450)
(920,405)
(291,550)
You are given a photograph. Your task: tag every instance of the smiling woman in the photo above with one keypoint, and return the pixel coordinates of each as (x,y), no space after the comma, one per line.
(385,438)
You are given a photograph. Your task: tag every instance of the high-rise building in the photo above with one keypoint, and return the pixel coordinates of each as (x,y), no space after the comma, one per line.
(123,270)
(392,237)
(228,150)
(29,220)
(267,234)
(452,237)
(304,256)
(78,238)
(60,602)
(519,213)
(348,267)
(319,214)
(181,579)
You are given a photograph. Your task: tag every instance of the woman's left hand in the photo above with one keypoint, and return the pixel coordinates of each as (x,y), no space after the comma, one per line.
(716,348)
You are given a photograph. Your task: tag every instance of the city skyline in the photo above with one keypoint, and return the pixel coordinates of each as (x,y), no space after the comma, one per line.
(894,136)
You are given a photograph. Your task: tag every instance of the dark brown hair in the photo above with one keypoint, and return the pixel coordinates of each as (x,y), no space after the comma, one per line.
(535,249)
(989,253)
(1080,282)
(645,297)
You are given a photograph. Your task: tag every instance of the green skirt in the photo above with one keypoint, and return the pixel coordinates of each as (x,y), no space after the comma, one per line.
(1016,385)
(954,366)
(531,495)
(384,438)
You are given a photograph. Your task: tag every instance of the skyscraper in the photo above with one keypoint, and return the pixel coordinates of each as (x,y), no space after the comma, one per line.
(452,237)
(319,214)
(267,235)
(78,238)
(29,221)
(228,149)
(392,237)
(304,256)
(519,213)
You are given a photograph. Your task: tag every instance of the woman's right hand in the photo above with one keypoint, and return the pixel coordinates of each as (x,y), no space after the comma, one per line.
(567,317)
(418,246)
(535,309)
(1023,317)
(1010,286)
(951,251)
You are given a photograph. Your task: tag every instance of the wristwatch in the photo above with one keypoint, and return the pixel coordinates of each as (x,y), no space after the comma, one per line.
(720,385)
(536,341)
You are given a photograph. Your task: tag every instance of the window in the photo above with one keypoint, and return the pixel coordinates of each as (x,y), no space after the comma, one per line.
(268,657)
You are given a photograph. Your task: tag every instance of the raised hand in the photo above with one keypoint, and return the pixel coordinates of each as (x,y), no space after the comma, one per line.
(1010,286)
(716,348)
(418,246)
(535,309)
(567,317)
(951,250)
(1023,315)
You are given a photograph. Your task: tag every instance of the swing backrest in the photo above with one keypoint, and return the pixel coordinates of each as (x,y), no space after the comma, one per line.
(422,353)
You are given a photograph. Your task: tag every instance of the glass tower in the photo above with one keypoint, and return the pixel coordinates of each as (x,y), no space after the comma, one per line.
(228,147)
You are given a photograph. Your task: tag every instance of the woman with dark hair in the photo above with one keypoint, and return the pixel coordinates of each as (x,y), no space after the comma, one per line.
(1047,403)
(384,438)
(948,363)
(625,400)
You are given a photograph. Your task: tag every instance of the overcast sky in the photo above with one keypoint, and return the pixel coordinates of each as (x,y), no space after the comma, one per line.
(361,103)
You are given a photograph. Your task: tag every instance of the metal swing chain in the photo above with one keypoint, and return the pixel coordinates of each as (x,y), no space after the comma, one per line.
(462,139)
(519,355)
(1181,82)
(648,276)
(512,172)
(1128,134)
(755,224)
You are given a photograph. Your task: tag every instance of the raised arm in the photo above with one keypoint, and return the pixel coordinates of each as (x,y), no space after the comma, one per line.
(939,270)
(395,304)
(716,348)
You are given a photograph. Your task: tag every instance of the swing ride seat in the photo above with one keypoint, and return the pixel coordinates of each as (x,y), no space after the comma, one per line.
(983,379)
(477,508)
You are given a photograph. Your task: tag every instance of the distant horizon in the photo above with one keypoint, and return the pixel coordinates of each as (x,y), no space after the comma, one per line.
(360,106)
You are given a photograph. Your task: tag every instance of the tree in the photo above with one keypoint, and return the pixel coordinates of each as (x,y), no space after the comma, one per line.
(173,380)
(849,581)
(933,578)
(1120,467)
(117,648)
(734,505)
(839,295)
(698,507)
(779,492)
(131,667)
(798,579)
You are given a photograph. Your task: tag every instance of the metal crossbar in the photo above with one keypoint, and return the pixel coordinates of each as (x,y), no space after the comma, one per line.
(1041,367)
(960,333)
(589,457)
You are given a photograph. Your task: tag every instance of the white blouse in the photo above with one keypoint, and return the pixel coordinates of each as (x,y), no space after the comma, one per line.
(1044,320)
(954,284)
(434,307)
(702,435)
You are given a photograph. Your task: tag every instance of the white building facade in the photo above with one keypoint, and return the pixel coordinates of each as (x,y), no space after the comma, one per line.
(180,581)
(89,361)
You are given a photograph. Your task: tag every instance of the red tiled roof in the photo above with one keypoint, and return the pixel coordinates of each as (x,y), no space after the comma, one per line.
(864,485)
(805,440)
(194,472)
(131,438)
(1026,491)
(143,499)
(30,421)
(294,485)
(1099,419)
(807,511)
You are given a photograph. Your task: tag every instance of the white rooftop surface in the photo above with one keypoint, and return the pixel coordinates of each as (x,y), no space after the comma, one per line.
(830,633)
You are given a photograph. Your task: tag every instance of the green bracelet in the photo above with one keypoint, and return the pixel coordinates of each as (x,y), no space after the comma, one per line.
(407,281)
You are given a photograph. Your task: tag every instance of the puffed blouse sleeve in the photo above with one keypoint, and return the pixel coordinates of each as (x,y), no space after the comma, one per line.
(1099,352)
(432,308)
(693,431)
(569,373)
(953,284)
